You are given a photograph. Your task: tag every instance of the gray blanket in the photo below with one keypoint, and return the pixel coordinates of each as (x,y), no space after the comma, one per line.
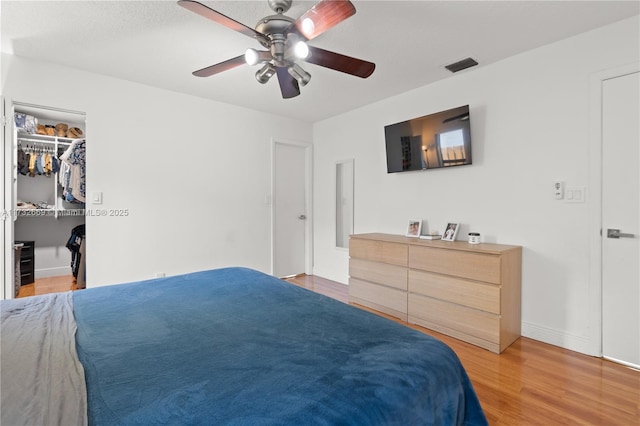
(41,379)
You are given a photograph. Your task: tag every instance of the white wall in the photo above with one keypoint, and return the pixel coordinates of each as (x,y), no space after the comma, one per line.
(530,126)
(192,173)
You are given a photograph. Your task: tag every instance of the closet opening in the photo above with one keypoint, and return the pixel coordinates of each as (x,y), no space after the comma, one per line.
(49,190)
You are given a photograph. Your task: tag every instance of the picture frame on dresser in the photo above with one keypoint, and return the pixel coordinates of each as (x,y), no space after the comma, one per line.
(450,231)
(414,227)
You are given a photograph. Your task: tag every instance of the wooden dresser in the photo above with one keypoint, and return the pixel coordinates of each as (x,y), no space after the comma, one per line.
(467,291)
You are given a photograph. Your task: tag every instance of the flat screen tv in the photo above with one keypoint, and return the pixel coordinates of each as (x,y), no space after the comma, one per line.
(436,140)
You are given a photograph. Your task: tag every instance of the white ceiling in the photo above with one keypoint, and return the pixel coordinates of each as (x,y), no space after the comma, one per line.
(159,43)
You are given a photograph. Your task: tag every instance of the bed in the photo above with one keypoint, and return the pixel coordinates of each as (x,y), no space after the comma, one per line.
(228,346)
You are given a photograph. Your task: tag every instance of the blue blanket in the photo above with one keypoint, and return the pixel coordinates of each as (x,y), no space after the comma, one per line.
(237,347)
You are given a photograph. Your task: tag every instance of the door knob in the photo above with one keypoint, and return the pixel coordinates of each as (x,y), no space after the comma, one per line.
(302,217)
(615,233)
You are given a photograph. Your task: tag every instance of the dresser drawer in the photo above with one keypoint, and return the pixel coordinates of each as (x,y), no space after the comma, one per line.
(379,251)
(380,273)
(473,294)
(385,299)
(474,266)
(449,317)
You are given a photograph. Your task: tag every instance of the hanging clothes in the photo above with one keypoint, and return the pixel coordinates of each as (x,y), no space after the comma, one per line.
(47,164)
(55,164)
(74,181)
(39,164)
(36,161)
(23,162)
(32,164)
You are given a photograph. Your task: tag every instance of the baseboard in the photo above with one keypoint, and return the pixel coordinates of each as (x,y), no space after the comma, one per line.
(52,272)
(330,275)
(558,338)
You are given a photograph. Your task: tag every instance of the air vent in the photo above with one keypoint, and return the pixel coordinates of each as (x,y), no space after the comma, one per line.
(462,65)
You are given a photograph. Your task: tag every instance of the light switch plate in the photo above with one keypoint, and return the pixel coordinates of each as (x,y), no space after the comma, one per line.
(96,197)
(578,194)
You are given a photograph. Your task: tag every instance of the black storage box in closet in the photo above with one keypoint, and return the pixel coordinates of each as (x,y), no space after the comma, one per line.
(27,262)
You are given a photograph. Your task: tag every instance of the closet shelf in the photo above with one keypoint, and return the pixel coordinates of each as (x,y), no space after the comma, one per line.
(34,138)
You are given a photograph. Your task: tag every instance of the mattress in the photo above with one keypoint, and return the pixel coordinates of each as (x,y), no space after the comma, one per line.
(235,346)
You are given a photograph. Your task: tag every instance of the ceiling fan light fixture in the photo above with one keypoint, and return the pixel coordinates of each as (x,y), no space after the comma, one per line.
(253,56)
(299,74)
(308,27)
(285,40)
(297,50)
(265,73)
(301,50)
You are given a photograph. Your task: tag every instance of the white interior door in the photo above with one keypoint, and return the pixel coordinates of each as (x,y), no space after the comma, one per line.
(621,219)
(290,209)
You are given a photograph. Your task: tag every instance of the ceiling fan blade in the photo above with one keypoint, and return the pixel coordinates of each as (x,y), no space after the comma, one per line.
(324,15)
(220,67)
(288,85)
(218,17)
(338,62)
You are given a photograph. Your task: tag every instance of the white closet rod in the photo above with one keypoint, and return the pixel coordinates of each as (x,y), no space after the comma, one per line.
(42,141)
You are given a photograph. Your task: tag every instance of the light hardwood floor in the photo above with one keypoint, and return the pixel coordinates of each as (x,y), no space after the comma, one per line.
(530,383)
(48,285)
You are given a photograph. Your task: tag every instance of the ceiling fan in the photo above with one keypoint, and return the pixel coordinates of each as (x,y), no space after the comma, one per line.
(285,39)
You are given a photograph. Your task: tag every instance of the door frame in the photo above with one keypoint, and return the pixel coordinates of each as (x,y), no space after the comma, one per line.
(9,182)
(308,202)
(595,195)
(5,165)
